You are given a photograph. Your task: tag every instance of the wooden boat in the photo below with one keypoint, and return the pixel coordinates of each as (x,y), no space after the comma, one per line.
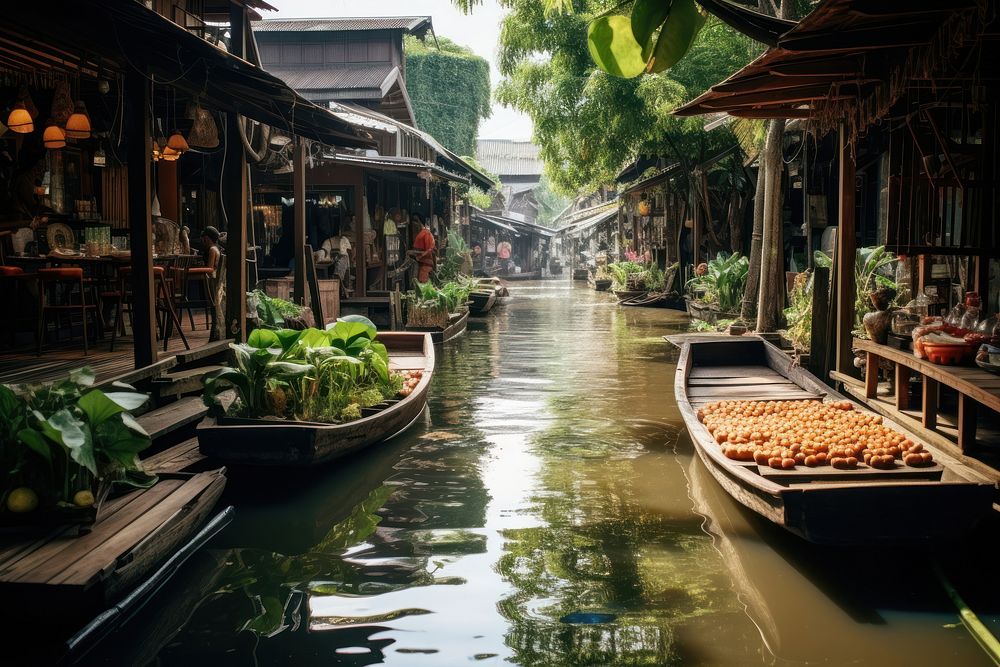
(822,505)
(648,300)
(580,274)
(67,577)
(490,291)
(291,443)
(625,295)
(456,325)
(528,275)
(481,301)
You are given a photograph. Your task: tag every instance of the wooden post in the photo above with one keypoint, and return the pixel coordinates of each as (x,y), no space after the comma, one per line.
(234,197)
(930,406)
(871,376)
(846,252)
(139,155)
(902,387)
(299,192)
(695,228)
(361,266)
(818,359)
(966,423)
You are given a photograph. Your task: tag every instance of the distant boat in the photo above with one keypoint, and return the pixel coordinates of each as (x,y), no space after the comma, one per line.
(824,505)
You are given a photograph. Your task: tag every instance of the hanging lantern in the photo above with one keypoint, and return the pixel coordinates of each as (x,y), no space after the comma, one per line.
(54,136)
(178,143)
(644,208)
(78,124)
(19,119)
(169,154)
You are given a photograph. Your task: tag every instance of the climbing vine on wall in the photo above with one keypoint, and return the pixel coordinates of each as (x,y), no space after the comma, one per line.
(449,87)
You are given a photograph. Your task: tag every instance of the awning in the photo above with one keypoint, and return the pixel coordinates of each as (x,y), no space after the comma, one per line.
(849,60)
(653,180)
(607,213)
(404,164)
(641,165)
(485,219)
(125,36)
(531,228)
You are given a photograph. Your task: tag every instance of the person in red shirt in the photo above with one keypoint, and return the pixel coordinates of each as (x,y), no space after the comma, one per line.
(423,251)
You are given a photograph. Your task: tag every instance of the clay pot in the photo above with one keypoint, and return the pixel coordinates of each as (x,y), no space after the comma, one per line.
(881,298)
(877,324)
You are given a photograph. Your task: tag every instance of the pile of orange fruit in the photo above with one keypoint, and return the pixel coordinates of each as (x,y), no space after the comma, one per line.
(785,434)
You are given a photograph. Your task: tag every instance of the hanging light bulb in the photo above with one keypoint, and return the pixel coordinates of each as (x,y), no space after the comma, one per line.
(54,136)
(178,143)
(78,124)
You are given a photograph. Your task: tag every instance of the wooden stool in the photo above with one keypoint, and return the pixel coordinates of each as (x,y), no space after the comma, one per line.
(203,276)
(167,316)
(10,280)
(68,277)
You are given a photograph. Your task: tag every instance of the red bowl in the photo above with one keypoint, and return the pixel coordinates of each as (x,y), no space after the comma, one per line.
(947,354)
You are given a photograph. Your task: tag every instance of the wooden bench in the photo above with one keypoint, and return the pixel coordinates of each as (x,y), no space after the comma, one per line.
(973,385)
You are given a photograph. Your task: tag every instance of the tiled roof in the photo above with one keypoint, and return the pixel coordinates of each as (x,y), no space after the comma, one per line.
(504,157)
(415,24)
(304,78)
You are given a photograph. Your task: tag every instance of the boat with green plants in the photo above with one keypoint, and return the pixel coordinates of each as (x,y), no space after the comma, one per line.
(716,291)
(307,397)
(600,279)
(442,312)
(635,284)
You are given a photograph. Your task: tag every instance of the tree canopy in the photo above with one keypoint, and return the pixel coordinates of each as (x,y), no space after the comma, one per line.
(589,123)
(451,113)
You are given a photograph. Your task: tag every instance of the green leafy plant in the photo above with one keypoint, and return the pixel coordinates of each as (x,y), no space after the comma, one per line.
(798,314)
(66,437)
(871,266)
(308,375)
(620,272)
(429,305)
(456,254)
(723,282)
(272,312)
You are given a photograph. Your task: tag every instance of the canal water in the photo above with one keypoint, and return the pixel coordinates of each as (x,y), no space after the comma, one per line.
(548,509)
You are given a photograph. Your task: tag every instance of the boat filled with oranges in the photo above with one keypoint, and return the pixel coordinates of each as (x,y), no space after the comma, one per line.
(790,448)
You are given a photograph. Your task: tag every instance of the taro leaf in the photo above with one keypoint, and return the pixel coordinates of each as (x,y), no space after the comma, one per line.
(75,435)
(380,350)
(34,440)
(647,15)
(613,47)
(130,422)
(263,338)
(8,404)
(128,400)
(287,338)
(350,331)
(98,407)
(361,319)
(117,443)
(677,35)
(314,338)
(83,376)
(287,369)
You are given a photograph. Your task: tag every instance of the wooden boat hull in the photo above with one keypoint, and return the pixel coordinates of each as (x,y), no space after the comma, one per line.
(482,301)
(262,442)
(530,275)
(580,274)
(823,506)
(625,295)
(438,336)
(602,285)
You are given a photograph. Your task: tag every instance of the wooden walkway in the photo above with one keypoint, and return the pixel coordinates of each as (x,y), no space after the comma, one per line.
(23,365)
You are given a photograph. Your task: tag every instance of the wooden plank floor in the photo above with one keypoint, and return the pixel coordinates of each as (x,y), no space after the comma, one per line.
(707,384)
(23,365)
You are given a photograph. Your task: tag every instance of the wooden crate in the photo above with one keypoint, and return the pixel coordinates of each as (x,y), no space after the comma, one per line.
(329,294)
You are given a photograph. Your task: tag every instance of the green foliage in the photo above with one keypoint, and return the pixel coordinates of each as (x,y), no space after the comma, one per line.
(620,271)
(309,375)
(272,312)
(589,123)
(450,111)
(66,437)
(448,298)
(871,266)
(798,315)
(456,255)
(724,281)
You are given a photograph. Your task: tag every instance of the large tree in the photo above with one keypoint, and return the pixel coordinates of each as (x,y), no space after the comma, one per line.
(451,113)
(589,123)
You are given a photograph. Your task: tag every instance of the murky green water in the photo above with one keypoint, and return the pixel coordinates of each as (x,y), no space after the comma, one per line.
(548,510)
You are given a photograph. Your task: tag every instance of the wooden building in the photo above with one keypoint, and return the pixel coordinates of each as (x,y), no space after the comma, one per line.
(909,94)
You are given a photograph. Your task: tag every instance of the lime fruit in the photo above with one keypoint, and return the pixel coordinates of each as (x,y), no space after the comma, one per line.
(22,499)
(83,498)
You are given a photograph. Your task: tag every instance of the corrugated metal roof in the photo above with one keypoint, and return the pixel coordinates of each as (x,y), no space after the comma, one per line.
(339,24)
(374,77)
(504,157)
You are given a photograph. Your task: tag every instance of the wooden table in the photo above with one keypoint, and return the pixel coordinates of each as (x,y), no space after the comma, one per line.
(973,385)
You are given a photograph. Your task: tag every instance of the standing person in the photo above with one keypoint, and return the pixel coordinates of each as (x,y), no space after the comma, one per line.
(210,240)
(423,250)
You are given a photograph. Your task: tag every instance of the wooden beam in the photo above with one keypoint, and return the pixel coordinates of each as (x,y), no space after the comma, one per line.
(136,129)
(771,112)
(234,199)
(892,36)
(845,255)
(361,267)
(299,192)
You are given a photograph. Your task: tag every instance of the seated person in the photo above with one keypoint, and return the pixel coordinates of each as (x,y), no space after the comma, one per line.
(210,240)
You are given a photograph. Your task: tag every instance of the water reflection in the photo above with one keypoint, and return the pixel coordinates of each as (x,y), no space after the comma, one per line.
(549,510)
